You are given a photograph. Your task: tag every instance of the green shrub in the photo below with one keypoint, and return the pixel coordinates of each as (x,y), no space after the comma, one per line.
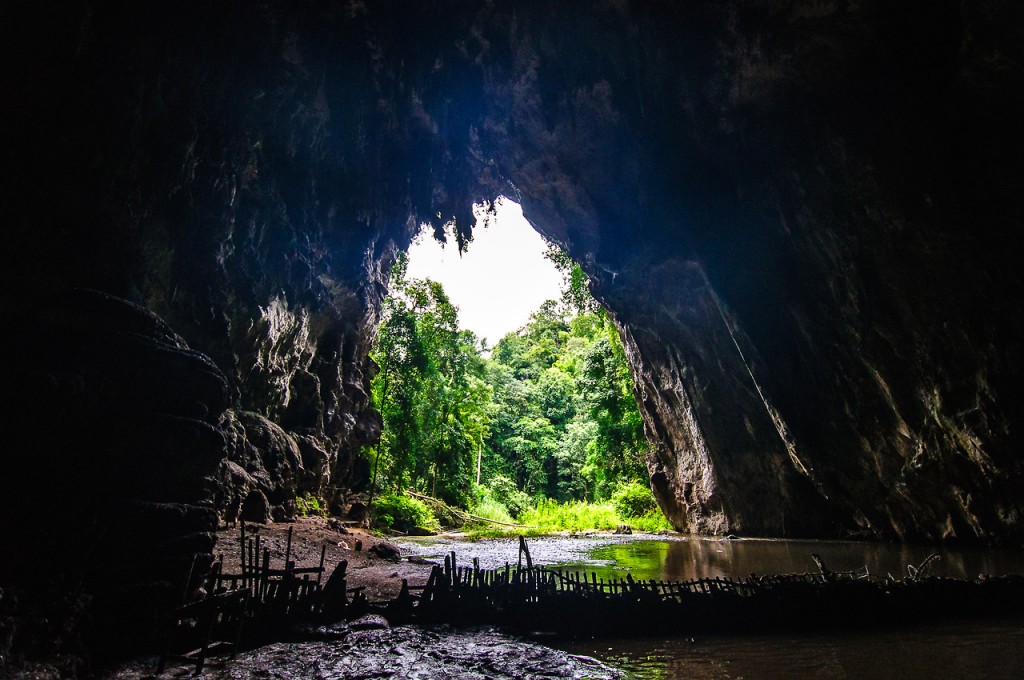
(400,512)
(504,491)
(651,522)
(310,505)
(446,515)
(491,508)
(633,499)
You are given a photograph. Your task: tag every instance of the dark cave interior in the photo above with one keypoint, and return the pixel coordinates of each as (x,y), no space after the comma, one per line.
(803,217)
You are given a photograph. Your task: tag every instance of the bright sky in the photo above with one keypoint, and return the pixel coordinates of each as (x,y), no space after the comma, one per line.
(501,278)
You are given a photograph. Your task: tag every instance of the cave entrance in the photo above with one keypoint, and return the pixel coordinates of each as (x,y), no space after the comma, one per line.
(502,277)
(504,388)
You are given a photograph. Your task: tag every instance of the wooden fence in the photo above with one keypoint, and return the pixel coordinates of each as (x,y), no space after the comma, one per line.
(579,604)
(256,605)
(259,603)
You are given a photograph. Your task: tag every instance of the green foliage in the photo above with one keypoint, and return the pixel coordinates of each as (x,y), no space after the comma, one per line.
(401,512)
(550,515)
(576,285)
(430,392)
(310,505)
(447,516)
(505,492)
(492,508)
(633,499)
(551,413)
(651,522)
(566,424)
(493,531)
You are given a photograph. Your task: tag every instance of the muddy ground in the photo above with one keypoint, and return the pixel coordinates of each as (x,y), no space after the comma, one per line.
(381,652)
(380,577)
(399,653)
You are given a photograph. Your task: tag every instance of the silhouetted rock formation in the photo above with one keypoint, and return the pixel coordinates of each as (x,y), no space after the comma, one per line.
(111,446)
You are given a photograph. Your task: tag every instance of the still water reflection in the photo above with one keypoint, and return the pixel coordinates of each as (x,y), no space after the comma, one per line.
(690,558)
(958,649)
(949,649)
(935,652)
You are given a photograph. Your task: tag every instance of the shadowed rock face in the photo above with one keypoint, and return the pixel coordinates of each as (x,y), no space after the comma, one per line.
(799,215)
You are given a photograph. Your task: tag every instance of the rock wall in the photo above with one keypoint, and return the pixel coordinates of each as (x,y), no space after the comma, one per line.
(798,213)
(112,440)
(248,174)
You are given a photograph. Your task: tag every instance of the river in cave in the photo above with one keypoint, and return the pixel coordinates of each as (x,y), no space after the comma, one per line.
(947,649)
(951,648)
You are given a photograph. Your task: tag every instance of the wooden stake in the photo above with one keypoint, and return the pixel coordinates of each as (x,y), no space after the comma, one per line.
(288,550)
(323,554)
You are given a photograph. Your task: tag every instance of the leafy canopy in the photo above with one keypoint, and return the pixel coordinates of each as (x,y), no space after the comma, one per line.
(549,414)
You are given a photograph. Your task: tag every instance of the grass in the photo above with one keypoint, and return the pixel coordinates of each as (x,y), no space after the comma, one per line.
(401,512)
(549,515)
(490,531)
(650,522)
(492,509)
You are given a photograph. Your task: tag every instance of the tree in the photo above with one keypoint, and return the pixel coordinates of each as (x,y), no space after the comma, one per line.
(566,422)
(551,410)
(618,442)
(430,391)
(576,295)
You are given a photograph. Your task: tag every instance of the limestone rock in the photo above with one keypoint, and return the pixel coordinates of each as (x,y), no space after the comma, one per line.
(387,551)
(316,464)
(268,454)
(256,508)
(233,487)
(114,420)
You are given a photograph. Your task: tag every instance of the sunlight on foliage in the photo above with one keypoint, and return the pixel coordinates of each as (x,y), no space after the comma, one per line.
(549,515)
(633,499)
(651,522)
(402,513)
(492,509)
(549,417)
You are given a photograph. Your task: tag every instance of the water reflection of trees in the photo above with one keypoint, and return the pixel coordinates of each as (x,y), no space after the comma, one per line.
(709,558)
(694,558)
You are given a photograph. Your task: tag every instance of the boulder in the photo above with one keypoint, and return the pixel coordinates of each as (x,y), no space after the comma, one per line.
(256,508)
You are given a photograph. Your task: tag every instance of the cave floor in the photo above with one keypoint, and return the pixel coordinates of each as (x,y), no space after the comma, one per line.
(380,578)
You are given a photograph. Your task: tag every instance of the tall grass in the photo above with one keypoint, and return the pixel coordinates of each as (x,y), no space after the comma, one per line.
(549,515)
(650,522)
(492,509)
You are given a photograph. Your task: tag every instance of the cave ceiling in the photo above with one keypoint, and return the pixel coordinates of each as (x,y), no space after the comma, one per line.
(801,215)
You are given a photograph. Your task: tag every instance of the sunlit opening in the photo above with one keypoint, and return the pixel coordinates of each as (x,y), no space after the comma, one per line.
(504,391)
(499,281)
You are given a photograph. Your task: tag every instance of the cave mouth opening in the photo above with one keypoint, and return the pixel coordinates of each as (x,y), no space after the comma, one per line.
(504,387)
(502,275)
